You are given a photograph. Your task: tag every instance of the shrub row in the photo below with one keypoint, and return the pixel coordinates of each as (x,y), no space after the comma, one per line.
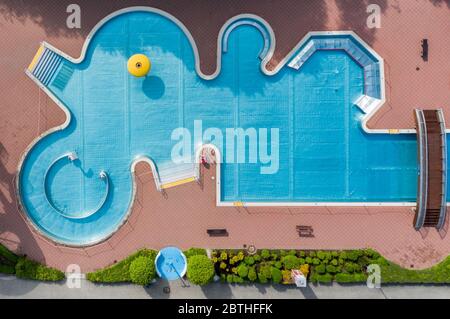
(25,268)
(235,266)
(137,268)
(29,269)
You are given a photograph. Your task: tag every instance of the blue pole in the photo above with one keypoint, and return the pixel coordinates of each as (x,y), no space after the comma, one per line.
(178,274)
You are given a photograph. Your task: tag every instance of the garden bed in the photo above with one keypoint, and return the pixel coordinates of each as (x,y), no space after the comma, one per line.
(274,267)
(235,266)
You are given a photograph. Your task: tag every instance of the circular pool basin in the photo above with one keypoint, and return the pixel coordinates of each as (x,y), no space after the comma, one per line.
(171,263)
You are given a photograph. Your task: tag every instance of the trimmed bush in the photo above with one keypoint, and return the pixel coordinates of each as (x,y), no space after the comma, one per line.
(194,252)
(262,278)
(200,270)
(29,269)
(276,275)
(320,269)
(238,279)
(249,260)
(242,270)
(266,270)
(291,262)
(321,255)
(292,252)
(7,257)
(7,269)
(142,270)
(331,269)
(252,276)
(265,254)
(350,278)
(325,278)
(353,255)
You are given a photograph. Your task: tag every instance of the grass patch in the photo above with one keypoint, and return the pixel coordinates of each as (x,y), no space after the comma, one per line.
(120,272)
(438,274)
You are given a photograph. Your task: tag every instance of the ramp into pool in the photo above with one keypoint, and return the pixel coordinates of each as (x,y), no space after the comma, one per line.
(432,151)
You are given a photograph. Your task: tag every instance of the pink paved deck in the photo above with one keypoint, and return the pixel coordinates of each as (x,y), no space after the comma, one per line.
(182,218)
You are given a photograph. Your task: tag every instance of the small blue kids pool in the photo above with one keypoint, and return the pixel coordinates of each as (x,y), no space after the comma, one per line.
(170,263)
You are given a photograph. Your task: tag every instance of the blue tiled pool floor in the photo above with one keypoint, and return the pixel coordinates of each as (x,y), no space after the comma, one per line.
(324,155)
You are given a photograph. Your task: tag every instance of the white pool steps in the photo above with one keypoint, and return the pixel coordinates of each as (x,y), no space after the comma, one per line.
(172,173)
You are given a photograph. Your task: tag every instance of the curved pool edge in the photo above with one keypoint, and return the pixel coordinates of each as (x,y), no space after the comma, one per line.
(102,175)
(183,272)
(17,177)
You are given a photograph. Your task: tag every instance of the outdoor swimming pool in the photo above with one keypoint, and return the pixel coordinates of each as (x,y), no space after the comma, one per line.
(76,185)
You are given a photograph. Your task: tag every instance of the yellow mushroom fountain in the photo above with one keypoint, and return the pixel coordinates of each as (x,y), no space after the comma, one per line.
(139,65)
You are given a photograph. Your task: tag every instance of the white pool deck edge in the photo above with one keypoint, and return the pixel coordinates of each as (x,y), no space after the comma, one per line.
(264,69)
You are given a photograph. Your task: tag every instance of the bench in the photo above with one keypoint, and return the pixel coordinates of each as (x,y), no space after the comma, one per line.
(305,231)
(424,54)
(217,232)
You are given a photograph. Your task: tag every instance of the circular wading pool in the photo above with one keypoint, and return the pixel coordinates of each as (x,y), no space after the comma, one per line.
(171,263)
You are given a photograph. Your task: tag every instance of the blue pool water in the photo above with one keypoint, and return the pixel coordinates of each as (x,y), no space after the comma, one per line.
(325,156)
(170,263)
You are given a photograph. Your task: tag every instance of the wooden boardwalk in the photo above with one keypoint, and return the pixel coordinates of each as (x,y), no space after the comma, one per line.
(431,195)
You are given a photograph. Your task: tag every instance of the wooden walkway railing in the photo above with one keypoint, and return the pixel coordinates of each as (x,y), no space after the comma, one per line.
(432,156)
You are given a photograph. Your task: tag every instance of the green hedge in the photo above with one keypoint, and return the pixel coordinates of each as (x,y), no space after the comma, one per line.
(7,257)
(7,269)
(120,272)
(275,265)
(194,252)
(25,268)
(200,270)
(29,269)
(324,267)
(142,270)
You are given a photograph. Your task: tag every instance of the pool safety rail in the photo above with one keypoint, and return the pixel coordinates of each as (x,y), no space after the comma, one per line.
(431,206)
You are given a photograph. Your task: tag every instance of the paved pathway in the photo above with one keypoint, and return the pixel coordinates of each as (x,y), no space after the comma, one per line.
(10,287)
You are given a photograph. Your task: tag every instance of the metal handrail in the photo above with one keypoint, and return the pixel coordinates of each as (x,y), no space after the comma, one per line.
(443,209)
(422,194)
